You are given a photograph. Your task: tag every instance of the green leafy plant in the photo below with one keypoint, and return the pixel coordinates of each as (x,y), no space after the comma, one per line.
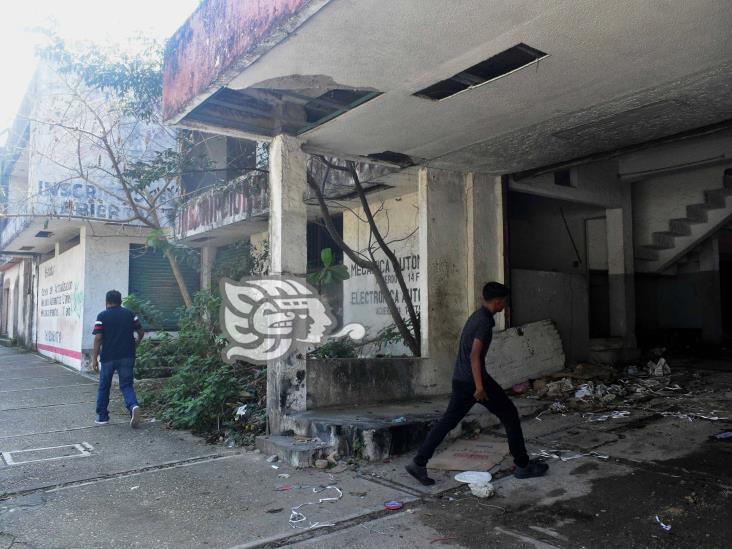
(329,273)
(336,348)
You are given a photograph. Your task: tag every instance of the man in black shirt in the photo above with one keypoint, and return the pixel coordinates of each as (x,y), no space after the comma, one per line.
(470,384)
(113,333)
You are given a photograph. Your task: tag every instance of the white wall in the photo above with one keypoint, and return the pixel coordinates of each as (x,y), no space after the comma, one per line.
(106,267)
(362,301)
(60,306)
(72,290)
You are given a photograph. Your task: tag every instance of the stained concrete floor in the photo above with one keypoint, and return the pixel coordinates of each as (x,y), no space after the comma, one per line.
(158,488)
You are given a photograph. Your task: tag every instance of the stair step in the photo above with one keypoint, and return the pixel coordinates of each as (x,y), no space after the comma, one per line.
(717,198)
(377,432)
(680,227)
(664,240)
(697,213)
(293,450)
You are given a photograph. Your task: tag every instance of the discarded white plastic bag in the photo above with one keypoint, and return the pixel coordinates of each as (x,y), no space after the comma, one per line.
(482,489)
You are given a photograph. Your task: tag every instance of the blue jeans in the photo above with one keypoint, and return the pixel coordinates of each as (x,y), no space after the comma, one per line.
(124,368)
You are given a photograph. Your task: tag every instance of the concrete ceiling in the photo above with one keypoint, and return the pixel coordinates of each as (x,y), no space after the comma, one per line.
(618,73)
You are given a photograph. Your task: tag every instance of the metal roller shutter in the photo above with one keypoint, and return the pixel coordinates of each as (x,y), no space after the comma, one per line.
(151,278)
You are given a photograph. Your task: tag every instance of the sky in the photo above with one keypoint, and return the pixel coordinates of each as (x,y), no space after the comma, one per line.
(99,21)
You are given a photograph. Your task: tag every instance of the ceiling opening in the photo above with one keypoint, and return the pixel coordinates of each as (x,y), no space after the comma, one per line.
(499,65)
(44,234)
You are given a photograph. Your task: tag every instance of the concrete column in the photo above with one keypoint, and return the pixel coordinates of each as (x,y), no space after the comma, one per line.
(288,255)
(710,291)
(619,223)
(444,276)
(486,259)
(208,256)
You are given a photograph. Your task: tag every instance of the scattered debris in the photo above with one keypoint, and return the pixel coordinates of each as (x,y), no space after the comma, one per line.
(691,416)
(276,510)
(567,455)
(556,407)
(724,435)
(297,517)
(339,468)
(275,466)
(241,411)
(400,419)
(333,457)
(615,414)
(521,388)
(284,475)
(482,489)
(321,463)
(273,459)
(134,487)
(393,505)
(666,527)
(659,368)
(560,388)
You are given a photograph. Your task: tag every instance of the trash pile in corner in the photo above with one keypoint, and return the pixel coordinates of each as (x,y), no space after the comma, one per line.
(601,386)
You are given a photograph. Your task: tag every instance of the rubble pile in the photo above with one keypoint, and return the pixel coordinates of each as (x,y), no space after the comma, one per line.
(600,386)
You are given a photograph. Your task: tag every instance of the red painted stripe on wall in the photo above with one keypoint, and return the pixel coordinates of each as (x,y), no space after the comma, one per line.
(59,351)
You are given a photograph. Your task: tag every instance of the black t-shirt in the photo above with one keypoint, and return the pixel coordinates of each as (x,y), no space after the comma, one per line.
(117,326)
(479,326)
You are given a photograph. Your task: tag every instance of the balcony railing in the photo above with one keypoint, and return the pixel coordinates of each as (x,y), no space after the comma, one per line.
(243,198)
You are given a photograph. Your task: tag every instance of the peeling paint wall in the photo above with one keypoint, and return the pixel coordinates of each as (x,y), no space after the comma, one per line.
(221,35)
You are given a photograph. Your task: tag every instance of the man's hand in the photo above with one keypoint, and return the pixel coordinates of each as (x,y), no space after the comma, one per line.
(95,364)
(480,395)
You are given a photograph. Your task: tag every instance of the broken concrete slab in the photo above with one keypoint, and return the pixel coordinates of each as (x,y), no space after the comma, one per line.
(525,352)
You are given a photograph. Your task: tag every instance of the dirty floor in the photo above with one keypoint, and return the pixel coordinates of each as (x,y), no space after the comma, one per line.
(65,482)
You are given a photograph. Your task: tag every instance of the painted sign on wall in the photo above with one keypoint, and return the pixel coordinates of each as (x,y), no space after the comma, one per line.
(363,301)
(60,306)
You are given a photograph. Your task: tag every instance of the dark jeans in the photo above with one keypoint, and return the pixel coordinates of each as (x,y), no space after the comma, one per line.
(460,404)
(124,368)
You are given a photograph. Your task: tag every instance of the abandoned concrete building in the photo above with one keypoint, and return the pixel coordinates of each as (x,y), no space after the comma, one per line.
(594,181)
(68,238)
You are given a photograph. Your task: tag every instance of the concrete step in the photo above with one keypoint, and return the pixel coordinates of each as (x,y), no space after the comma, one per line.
(718,197)
(697,213)
(7,342)
(293,450)
(378,432)
(664,240)
(680,227)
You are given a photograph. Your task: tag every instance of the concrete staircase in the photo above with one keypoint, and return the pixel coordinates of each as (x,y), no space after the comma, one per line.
(374,432)
(684,234)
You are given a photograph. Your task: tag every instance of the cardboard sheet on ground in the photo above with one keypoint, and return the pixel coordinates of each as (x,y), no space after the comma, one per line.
(479,454)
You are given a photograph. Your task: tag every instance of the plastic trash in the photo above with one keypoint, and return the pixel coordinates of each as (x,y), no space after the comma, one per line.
(474,477)
(666,527)
(393,505)
(400,419)
(585,390)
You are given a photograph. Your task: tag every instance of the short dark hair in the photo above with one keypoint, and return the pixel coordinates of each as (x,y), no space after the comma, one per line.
(495,290)
(114,297)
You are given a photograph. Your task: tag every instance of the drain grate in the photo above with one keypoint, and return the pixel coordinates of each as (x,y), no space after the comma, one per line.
(34,455)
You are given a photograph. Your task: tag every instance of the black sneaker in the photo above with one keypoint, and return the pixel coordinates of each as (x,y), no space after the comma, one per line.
(420,473)
(533,469)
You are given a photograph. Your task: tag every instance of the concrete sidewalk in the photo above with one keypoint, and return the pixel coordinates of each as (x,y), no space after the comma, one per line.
(82,486)
(65,482)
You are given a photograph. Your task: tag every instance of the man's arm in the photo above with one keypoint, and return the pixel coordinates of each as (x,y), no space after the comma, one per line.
(95,352)
(477,370)
(140,334)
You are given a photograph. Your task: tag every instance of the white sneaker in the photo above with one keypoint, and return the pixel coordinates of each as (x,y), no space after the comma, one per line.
(101,422)
(136,416)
